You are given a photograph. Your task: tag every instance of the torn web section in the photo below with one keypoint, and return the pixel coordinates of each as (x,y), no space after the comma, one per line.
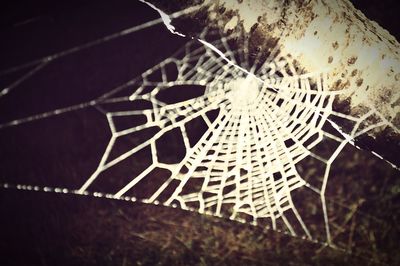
(152,119)
(160,111)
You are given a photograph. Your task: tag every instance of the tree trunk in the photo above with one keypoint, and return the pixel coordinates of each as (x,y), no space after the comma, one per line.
(362,58)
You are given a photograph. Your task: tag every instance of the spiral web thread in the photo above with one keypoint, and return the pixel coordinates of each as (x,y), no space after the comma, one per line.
(259,125)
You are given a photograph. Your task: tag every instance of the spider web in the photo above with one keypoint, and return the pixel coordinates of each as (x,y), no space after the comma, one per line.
(228,136)
(243,164)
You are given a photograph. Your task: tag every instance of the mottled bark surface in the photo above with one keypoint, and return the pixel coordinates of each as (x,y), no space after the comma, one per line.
(361,57)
